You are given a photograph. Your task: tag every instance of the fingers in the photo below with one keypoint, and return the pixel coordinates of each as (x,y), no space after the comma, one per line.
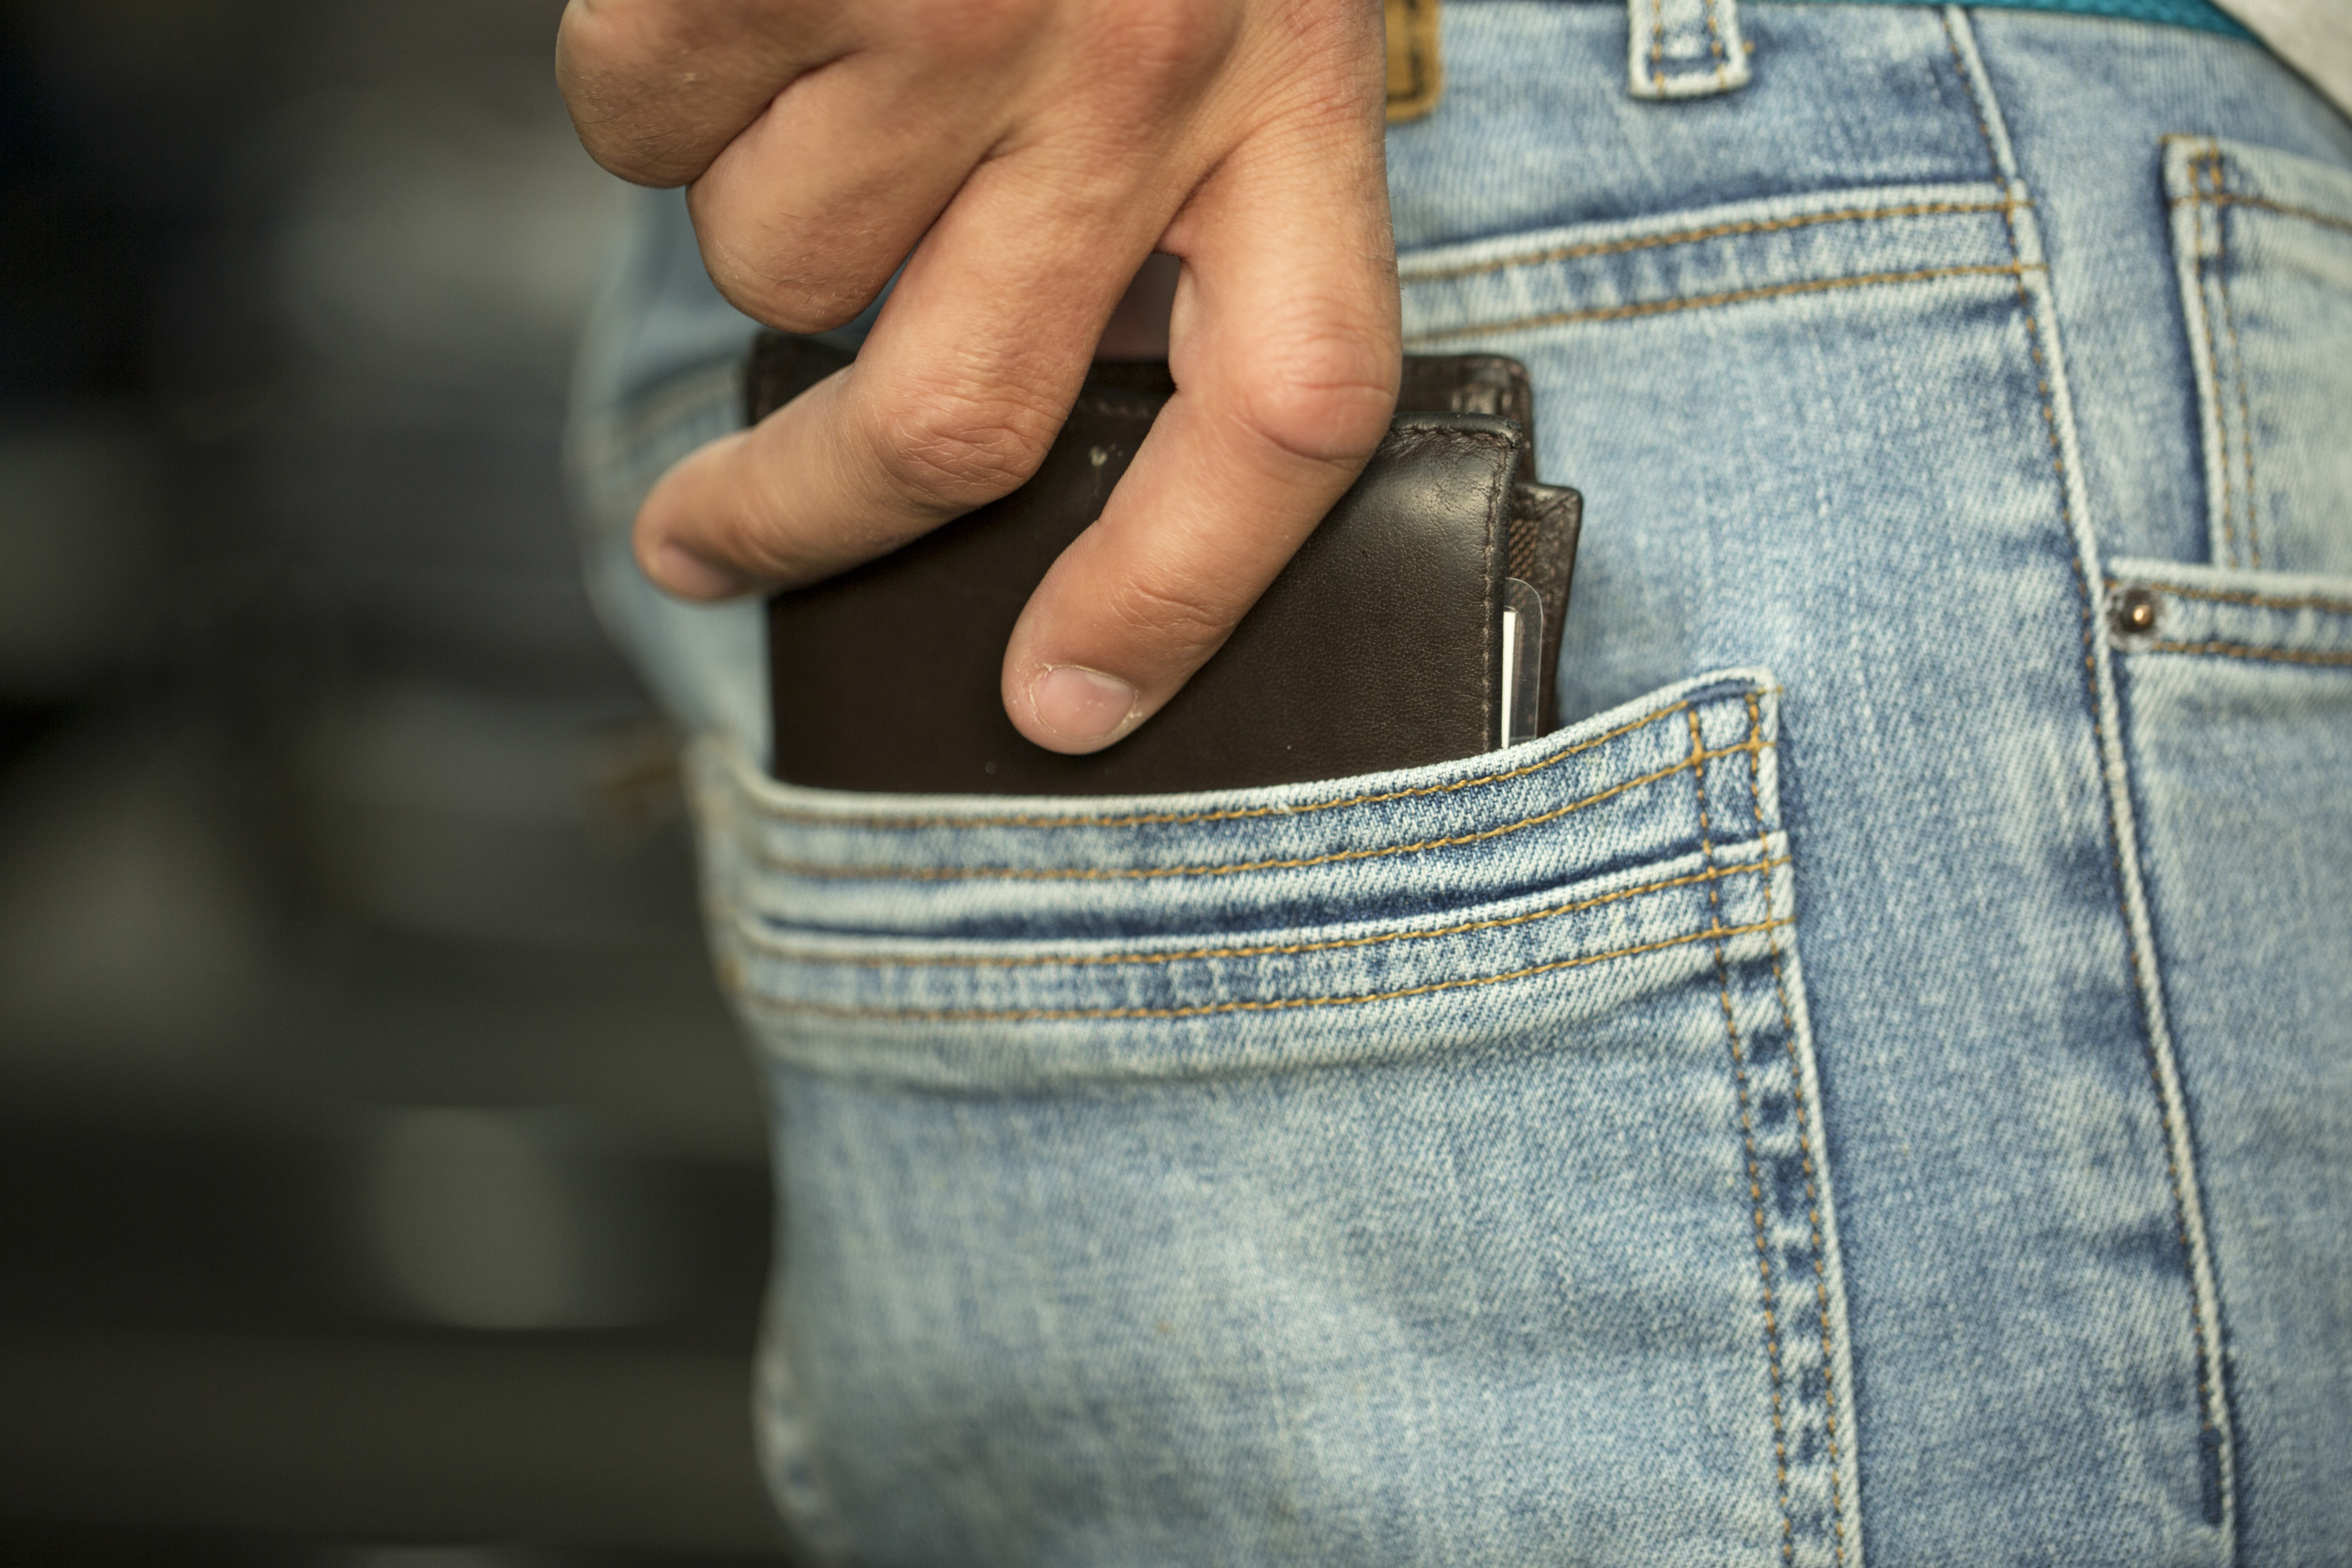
(803,217)
(1285,348)
(960,389)
(656,89)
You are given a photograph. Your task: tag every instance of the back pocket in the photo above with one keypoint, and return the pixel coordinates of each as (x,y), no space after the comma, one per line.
(2263,242)
(1426,1167)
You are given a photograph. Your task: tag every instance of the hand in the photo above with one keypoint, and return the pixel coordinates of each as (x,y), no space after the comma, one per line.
(1023,158)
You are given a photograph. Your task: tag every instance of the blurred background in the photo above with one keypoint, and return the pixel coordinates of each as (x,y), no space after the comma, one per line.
(381,1182)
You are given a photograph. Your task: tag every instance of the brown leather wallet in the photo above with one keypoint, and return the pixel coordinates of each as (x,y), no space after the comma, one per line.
(1379,646)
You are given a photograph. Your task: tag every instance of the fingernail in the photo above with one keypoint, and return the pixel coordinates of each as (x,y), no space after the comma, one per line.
(1080,704)
(676,569)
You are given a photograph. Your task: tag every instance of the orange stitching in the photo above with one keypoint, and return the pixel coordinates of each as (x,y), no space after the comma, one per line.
(1658,45)
(2284,209)
(1273,1004)
(2247,650)
(2099,745)
(1139,873)
(1230,814)
(1685,236)
(1732,297)
(1804,1139)
(2238,360)
(2232,597)
(1755,1173)
(1715,46)
(2213,357)
(790,955)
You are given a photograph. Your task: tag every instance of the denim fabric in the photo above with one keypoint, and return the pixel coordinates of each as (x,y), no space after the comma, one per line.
(1461,1166)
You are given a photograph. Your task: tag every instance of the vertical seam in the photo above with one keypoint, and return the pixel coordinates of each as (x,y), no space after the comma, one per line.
(2237,359)
(1804,1139)
(2207,1428)
(1755,1175)
(1658,44)
(1715,44)
(2213,358)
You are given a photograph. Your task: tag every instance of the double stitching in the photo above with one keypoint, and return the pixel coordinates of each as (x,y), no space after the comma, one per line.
(1227,814)
(1692,236)
(2213,355)
(1804,1144)
(2221,275)
(1715,932)
(2210,1433)
(1713,45)
(832,870)
(788,953)
(2234,597)
(1730,296)
(1755,1170)
(2248,650)
(2284,209)
(1647,73)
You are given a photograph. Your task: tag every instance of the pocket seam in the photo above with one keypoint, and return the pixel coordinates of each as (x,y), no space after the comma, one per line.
(847,871)
(2284,209)
(1715,932)
(2247,650)
(1804,1147)
(886,822)
(2234,597)
(787,953)
(1728,297)
(2211,269)
(1693,235)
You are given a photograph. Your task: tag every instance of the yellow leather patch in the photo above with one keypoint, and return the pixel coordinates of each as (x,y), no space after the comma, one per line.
(1416,75)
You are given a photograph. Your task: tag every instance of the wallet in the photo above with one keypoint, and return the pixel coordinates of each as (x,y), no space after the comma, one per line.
(1382,644)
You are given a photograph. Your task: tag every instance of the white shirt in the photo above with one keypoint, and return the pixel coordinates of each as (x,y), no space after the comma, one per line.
(2314,36)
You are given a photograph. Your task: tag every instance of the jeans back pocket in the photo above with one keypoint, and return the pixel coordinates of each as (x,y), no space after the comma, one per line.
(1425,1167)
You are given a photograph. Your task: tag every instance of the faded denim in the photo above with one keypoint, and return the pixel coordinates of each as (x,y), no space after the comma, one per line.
(1878,1087)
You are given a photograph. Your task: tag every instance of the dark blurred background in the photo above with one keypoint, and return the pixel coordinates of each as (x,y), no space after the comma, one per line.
(381,1182)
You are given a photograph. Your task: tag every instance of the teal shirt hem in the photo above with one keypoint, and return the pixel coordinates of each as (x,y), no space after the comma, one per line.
(2199,14)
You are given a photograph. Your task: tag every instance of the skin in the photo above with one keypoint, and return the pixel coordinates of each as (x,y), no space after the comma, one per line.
(1025,160)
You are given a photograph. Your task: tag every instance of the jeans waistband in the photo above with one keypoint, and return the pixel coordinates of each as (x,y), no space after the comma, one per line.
(1696,48)
(2199,14)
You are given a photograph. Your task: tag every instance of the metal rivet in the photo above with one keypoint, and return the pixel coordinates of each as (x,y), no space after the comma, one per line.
(2135,612)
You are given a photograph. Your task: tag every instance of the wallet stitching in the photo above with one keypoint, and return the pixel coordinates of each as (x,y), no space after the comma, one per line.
(1730,296)
(1228,814)
(1266,1005)
(786,952)
(818,870)
(1499,494)
(1691,235)
(2234,597)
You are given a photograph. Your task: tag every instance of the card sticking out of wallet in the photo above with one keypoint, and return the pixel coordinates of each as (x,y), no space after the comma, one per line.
(1403,633)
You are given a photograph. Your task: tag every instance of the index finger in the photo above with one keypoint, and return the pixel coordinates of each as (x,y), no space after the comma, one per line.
(1286,348)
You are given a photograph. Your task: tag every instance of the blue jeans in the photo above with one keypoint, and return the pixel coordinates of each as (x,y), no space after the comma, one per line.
(1879,1087)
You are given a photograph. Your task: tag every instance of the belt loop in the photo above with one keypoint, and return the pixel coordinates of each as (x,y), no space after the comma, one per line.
(1684,48)
(1416,70)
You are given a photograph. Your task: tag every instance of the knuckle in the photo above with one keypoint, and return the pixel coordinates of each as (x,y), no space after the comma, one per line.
(1329,405)
(1162,50)
(752,274)
(1182,615)
(980,30)
(961,449)
(790,305)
